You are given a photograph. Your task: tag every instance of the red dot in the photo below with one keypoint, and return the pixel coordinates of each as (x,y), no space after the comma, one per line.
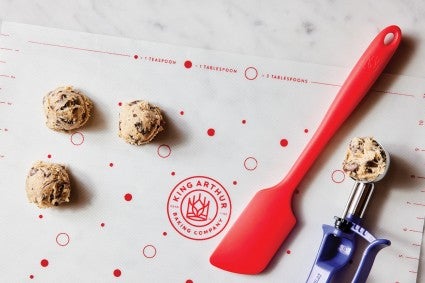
(189,281)
(136,56)
(288,252)
(235,183)
(111,164)
(188,64)
(128,197)
(164,233)
(211,132)
(306,131)
(44,262)
(40,216)
(283,142)
(49,156)
(243,121)
(119,103)
(31,276)
(182,113)
(117,273)
(173,173)
(102,224)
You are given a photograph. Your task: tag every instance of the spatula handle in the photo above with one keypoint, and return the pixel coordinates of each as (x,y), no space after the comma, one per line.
(358,83)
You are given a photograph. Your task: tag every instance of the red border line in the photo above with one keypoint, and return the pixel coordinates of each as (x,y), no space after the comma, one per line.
(78,48)
(391,92)
(376,90)
(415,231)
(321,83)
(8,49)
(7,76)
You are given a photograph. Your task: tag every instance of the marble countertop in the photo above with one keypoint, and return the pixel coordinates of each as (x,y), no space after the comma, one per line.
(324,31)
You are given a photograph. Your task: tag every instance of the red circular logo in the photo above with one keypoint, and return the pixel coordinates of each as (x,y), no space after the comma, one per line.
(199,208)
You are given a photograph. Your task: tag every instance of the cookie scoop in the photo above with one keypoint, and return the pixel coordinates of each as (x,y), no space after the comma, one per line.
(366,162)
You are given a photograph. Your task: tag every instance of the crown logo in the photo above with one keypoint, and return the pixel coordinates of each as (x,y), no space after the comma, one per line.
(198,208)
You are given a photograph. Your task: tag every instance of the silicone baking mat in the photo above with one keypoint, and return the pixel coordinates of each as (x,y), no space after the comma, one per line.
(235,124)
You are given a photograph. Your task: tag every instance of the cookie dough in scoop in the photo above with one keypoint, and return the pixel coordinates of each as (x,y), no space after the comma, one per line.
(48,184)
(365,159)
(139,122)
(66,109)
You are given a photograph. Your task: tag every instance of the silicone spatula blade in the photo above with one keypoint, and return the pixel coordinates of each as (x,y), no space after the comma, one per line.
(267,220)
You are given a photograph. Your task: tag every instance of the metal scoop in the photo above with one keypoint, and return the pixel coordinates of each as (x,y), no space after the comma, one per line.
(339,241)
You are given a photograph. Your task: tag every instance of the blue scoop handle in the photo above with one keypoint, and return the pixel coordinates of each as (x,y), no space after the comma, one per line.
(368,258)
(336,250)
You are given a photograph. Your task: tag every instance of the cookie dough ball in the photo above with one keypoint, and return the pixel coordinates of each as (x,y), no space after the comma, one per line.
(365,159)
(48,184)
(139,122)
(66,109)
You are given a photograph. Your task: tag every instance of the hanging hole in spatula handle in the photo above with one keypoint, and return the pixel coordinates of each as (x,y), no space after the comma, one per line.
(370,65)
(392,36)
(379,52)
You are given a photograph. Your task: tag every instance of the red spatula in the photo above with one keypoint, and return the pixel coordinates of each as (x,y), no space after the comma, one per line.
(268,219)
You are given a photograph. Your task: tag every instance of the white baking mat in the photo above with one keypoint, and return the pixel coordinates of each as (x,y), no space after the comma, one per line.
(235,123)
